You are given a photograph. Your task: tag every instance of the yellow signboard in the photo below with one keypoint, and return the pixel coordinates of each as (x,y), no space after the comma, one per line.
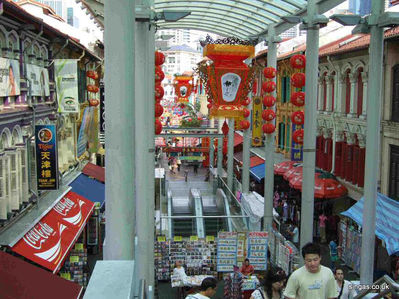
(193,238)
(74,259)
(178,238)
(161,238)
(210,238)
(257,121)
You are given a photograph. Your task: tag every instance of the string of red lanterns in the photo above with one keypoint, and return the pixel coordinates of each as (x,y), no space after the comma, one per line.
(91,88)
(269,101)
(159,91)
(298,98)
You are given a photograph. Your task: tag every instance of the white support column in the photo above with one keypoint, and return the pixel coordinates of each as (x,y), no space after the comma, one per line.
(230,155)
(320,95)
(374,99)
(269,140)
(365,93)
(329,107)
(341,94)
(353,100)
(246,157)
(309,144)
(119,94)
(220,157)
(211,152)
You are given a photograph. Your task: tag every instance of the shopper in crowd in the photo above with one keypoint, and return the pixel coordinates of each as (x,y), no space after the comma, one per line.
(179,271)
(343,286)
(294,232)
(207,289)
(247,269)
(272,285)
(322,226)
(312,281)
(178,164)
(333,252)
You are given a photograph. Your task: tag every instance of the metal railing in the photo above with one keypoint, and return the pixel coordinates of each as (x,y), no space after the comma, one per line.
(383,287)
(145,292)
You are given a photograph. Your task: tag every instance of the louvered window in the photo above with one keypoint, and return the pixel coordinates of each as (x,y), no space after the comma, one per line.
(7,180)
(24,176)
(19,176)
(14,182)
(3,198)
(33,175)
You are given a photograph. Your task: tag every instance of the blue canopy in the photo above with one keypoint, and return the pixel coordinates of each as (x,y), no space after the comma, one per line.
(258,172)
(89,188)
(387,220)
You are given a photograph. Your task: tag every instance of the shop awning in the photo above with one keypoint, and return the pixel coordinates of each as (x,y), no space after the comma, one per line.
(19,279)
(94,171)
(255,161)
(258,172)
(238,139)
(51,238)
(89,188)
(387,221)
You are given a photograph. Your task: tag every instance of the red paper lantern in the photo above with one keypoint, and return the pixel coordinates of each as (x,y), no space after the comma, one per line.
(298,61)
(92,88)
(225,128)
(246,102)
(268,86)
(159,74)
(209,100)
(229,78)
(159,92)
(183,88)
(94,102)
(158,110)
(298,118)
(268,115)
(158,127)
(245,124)
(209,106)
(255,87)
(269,72)
(297,136)
(92,74)
(246,112)
(298,98)
(269,101)
(159,58)
(268,128)
(182,106)
(298,80)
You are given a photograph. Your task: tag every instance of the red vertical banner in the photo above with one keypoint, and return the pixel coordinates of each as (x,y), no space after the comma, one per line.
(338,157)
(362,161)
(349,162)
(343,160)
(355,168)
(318,150)
(323,162)
(330,154)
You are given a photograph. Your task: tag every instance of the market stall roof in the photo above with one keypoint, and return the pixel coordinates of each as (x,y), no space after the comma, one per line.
(52,236)
(258,172)
(89,188)
(387,221)
(94,171)
(19,279)
(238,139)
(245,19)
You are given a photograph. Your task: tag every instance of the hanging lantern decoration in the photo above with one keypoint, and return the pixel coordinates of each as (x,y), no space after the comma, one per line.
(228,78)
(268,115)
(158,110)
(246,113)
(225,128)
(268,86)
(297,136)
(182,106)
(209,100)
(246,102)
(158,127)
(298,98)
(209,106)
(245,124)
(298,61)
(159,92)
(298,118)
(92,88)
(269,72)
(92,75)
(268,128)
(298,80)
(255,87)
(269,101)
(94,102)
(159,74)
(159,58)
(183,88)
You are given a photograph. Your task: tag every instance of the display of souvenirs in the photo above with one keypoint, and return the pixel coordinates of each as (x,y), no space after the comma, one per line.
(257,249)
(201,257)
(75,268)
(161,256)
(241,249)
(233,285)
(283,253)
(226,251)
(250,283)
(189,281)
(351,244)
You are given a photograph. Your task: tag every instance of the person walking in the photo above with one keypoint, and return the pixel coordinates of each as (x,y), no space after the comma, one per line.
(185,175)
(178,164)
(322,226)
(343,286)
(333,253)
(312,281)
(272,285)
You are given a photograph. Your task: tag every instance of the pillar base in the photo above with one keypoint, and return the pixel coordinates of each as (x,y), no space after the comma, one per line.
(363,116)
(351,115)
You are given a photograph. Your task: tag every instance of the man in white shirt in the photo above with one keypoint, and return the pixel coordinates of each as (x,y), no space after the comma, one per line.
(312,281)
(343,286)
(207,290)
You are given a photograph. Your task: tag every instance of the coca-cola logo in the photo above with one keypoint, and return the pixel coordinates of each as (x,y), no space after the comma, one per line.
(38,235)
(64,206)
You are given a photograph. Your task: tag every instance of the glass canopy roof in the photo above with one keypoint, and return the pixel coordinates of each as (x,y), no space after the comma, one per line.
(245,19)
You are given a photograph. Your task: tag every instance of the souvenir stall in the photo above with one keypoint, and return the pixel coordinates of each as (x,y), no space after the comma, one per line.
(283,253)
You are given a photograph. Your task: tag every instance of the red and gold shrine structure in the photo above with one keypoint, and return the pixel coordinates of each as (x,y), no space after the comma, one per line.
(183,88)
(228,79)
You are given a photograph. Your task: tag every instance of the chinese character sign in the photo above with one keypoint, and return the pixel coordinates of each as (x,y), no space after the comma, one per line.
(46,157)
(257,122)
(296,149)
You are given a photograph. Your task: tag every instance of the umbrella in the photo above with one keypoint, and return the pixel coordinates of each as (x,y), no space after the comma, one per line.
(293,172)
(282,167)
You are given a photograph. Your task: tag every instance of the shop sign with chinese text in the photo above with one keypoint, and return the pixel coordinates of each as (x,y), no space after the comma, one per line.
(46,157)
(296,149)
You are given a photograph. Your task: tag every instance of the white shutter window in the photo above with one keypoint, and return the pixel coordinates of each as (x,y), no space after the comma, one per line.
(33,176)
(19,177)
(24,176)
(7,174)
(3,198)
(14,182)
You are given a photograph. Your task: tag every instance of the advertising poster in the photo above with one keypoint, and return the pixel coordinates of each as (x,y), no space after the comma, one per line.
(257,249)
(46,157)
(66,82)
(297,149)
(226,251)
(49,241)
(9,78)
(257,121)
(39,80)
